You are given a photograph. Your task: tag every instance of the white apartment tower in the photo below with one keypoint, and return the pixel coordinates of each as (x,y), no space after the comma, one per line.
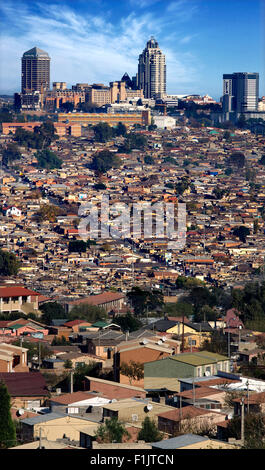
(152,71)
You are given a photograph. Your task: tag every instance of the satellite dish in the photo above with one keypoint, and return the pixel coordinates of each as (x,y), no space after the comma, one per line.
(114,400)
(145,341)
(149,407)
(21,412)
(160,342)
(207,373)
(163,338)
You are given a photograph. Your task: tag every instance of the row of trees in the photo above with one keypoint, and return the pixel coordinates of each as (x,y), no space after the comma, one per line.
(40,138)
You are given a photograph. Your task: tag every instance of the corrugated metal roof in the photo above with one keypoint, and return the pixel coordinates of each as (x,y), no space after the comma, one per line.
(42,418)
(178,442)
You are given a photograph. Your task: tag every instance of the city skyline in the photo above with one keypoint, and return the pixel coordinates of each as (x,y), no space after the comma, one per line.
(98,41)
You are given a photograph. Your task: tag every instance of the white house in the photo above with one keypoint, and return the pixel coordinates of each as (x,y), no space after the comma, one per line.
(13,211)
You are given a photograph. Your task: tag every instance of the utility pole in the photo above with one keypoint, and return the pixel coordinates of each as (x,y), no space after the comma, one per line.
(39,356)
(193,392)
(180,412)
(71,381)
(242,421)
(40,446)
(248,396)
(182,345)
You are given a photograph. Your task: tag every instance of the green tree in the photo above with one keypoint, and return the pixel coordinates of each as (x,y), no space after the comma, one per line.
(112,430)
(48,212)
(149,431)
(51,311)
(134,141)
(262,160)
(82,370)
(219,193)
(182,185)
(67,107)
(241,232)
(60,341)
(143,300)
(48,159)
(87,312)
(148,160)
(9,264)
(104,161)
(103,132)
(254,430)
(7,426)
(87,107)
(47,133)
(200,297)
(120,129)
(99,186)
(77,246)
(241,122)
(133,370)
(68,364)
(255,226)
(178,308)
(237,159)
(10,154)
(227,136)
(217,343)
(128,322)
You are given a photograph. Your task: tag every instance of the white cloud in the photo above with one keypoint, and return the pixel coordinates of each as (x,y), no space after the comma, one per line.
(86,48)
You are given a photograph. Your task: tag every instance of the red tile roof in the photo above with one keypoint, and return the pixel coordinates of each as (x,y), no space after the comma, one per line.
(186,412)
(69,398)
(99,298)
(200,392)
(75,322)
(21,384)
(16,291)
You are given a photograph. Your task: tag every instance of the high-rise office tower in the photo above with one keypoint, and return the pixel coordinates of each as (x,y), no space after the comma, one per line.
(240,92)
(35,71)
(152,71)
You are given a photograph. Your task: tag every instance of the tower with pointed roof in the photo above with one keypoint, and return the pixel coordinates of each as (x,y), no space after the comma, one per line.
(152,70)
(35,71)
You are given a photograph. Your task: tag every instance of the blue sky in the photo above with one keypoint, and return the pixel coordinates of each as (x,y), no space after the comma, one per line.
(96,41)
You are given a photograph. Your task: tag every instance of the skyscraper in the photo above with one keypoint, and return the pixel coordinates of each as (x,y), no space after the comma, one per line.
(35,71)
(152,71)
(240,92)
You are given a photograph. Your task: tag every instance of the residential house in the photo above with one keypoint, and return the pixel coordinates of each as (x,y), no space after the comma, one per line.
(194,333)
(183,365)
(13,358)
(107,300)
(27,389)
(54,426)
(202,396)
(23,327)
(191,441)
(18,299)
(253,403)
(188,419)
(134,410)
(141,351)
(78,403)
(113,390)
